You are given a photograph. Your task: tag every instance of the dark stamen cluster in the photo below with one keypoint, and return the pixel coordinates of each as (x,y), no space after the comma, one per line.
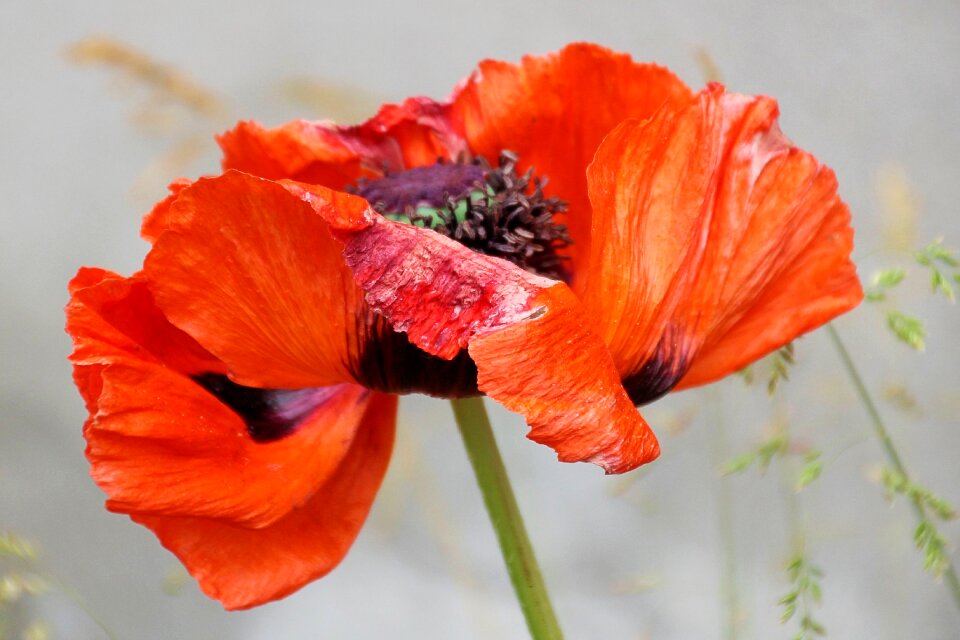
(497,213)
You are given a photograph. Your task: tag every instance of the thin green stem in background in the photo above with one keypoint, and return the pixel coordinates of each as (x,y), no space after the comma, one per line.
(731,609)
(893,456)
(502,507)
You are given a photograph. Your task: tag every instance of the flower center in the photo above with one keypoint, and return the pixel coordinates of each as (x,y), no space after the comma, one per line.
(493,211)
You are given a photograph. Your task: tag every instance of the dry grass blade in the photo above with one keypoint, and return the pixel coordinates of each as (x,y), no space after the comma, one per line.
(168,83)
(708,66)
(899,206)
(330,100)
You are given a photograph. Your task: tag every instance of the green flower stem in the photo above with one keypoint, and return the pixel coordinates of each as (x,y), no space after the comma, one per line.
(949,574)
(505,515)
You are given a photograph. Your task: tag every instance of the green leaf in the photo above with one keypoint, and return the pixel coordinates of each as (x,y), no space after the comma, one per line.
(776,444)
(805,577)
(934,548)
(809,624)
(934,257)
(896,483)
(893,481)
(815,592)
(811,470)
(794,566)
(937,252)
(780,363)
(788,612)
(887,278)
(740,463)
(941,507)
(882,281)
(773,446)
(907,329)
(940,283)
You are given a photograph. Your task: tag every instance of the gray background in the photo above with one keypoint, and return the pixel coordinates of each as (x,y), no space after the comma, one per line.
(864,85)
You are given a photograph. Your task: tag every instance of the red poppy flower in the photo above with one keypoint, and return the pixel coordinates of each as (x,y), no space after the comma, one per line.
(242,387)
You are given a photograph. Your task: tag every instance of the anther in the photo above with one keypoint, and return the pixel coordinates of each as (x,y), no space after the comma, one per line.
(491,210)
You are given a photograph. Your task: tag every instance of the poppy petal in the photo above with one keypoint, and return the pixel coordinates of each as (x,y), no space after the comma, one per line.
(243,567)
(153,222)
(527,334)
(255,277)
(807,294)
(110,317)
(399,136)
(554,111)
(552,369)
(745,242)
(159,442)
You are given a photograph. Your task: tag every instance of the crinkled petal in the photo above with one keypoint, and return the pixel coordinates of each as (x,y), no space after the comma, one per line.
(400,136)
(552,369)
(533,346)
(254,276)
(153,223)
(554,111)
(714,238)
(159,442)
(110,317)
(244,567)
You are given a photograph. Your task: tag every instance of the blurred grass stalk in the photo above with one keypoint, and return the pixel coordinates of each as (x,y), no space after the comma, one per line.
(924,523)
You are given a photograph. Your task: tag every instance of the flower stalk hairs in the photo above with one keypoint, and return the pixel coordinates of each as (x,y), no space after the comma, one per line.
(571,236)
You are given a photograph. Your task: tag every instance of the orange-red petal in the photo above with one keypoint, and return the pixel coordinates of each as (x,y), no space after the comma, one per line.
(110,317)
(159,443)
(552,369)
(243,567)
(399,136)
(713,238)
(153,223)
(254,275)
(554,111)
(533,346)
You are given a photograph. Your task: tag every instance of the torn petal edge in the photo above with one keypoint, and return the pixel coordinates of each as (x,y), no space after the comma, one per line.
(528,335)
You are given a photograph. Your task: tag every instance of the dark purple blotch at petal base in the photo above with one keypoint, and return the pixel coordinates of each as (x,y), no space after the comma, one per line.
(390,363)
(430,185)
(270,414)
(662,371)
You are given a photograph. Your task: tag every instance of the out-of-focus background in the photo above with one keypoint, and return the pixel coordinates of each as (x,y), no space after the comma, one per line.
(91,133)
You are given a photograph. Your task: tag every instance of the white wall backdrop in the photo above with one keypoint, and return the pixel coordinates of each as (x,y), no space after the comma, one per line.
(872,88)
